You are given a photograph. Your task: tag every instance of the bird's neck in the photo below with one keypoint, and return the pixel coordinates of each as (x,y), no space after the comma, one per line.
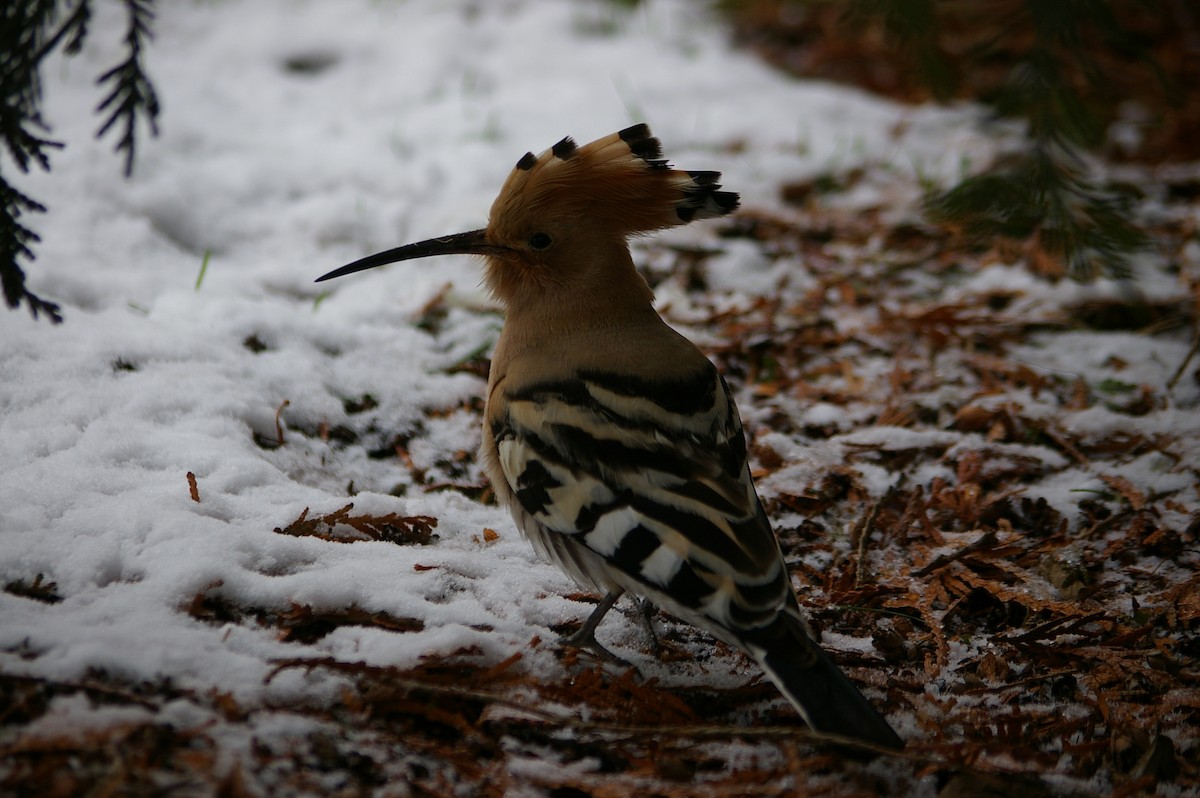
(603,321)
(601,289)
(569,321)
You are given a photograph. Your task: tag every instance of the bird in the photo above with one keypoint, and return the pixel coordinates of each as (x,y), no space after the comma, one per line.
(611,438)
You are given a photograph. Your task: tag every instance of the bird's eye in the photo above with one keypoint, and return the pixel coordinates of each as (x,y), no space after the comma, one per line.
(540,240)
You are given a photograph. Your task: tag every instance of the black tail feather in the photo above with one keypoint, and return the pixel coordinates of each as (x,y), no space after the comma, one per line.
(826,699)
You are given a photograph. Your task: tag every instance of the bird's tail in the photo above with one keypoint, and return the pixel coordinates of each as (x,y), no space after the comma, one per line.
(826,699)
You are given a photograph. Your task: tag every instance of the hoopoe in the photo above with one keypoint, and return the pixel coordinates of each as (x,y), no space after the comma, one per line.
(610,437)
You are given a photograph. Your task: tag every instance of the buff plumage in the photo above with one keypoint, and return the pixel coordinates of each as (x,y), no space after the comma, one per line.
(610,437)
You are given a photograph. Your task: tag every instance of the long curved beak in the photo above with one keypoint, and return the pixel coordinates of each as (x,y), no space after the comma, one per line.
(470,243)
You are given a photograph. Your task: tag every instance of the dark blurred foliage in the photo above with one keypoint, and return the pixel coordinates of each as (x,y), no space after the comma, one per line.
(30,32)
(1103,77)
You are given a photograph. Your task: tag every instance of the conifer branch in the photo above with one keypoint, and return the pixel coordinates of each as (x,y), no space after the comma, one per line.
(30,31)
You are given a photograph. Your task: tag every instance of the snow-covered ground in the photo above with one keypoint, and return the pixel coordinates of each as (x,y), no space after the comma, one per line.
(296,136)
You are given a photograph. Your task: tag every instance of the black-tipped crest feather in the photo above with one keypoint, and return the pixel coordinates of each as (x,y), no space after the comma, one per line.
(564,149)
(621,182)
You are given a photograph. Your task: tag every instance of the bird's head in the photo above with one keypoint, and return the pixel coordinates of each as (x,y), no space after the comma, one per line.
(562,219)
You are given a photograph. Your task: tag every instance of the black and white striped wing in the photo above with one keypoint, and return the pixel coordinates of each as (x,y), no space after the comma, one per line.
(652,477)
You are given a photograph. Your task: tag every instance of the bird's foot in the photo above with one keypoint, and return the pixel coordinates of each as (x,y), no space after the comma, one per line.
(588,642)
(646,610)
(585,637)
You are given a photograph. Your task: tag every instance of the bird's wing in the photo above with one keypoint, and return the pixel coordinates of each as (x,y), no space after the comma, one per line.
(651,475)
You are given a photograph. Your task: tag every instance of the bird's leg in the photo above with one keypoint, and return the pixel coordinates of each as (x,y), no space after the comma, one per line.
(646,610)
(585,638)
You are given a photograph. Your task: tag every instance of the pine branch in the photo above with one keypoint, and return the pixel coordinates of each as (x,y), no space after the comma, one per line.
(912,25)
(22,27)
(1067,68)
(132,92)
(27,37)
(1040,195)
(1057,86)
(75,28)
(21,32)
(15,241)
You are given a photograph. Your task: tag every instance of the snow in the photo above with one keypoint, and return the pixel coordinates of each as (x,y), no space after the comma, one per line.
(274,176)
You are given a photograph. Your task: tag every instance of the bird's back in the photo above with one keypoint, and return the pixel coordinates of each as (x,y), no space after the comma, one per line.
(627,465)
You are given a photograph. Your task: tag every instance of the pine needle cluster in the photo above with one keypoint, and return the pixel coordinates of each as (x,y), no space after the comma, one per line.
(30,32)
(1074,71)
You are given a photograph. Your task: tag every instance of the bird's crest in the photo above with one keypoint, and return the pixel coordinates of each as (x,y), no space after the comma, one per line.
(594,197)
(620,181)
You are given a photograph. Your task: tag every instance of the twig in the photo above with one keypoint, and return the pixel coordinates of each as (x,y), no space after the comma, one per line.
(278,423)
(1054,628)
(1065,445)
(1041,677)
(1186,360)
(985,541)
(87,687)
(864,533)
